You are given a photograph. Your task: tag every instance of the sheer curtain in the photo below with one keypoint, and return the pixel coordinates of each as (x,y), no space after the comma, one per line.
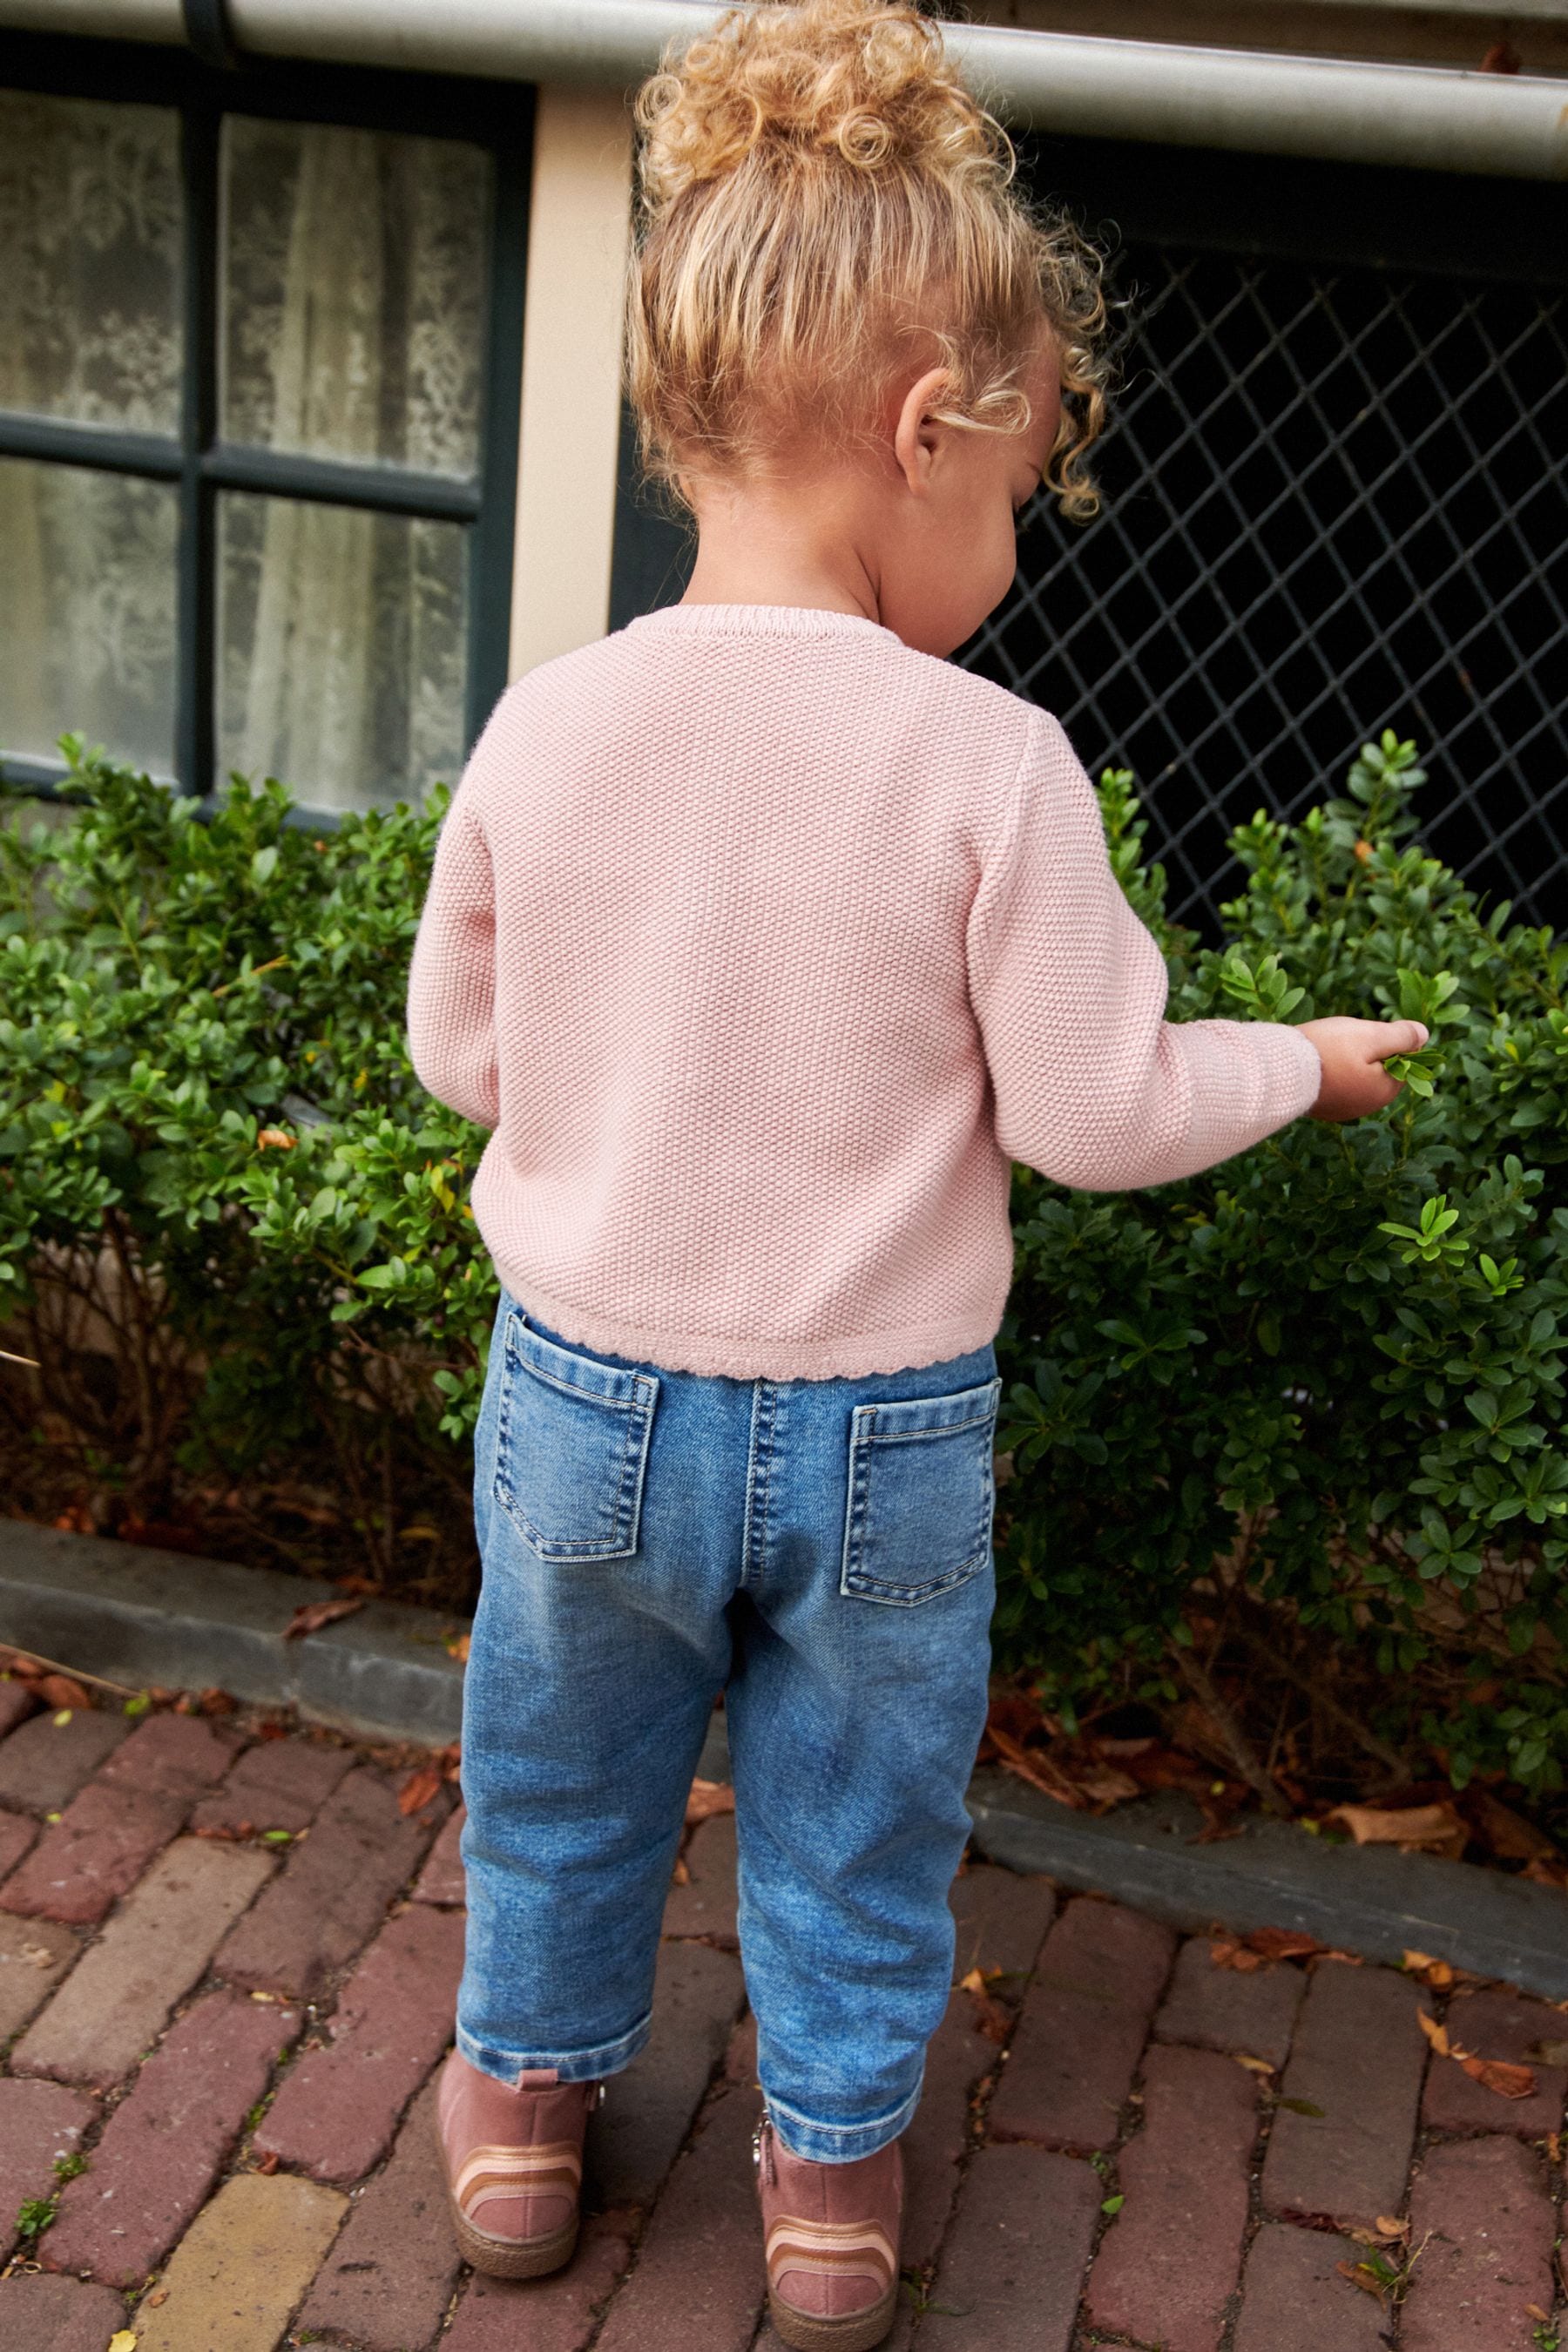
(90,333)
(354,307)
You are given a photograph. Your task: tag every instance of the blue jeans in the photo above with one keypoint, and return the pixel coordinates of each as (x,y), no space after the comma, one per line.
(821,1551)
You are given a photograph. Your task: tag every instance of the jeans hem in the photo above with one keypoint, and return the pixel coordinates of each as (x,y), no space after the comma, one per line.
(839,2143)
(571,2065)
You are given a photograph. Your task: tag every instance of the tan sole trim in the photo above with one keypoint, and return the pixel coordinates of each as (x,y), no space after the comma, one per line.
(853,2331)
(512,2258)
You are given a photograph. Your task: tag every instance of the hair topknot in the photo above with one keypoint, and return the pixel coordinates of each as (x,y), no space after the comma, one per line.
(857,78)
(820,203)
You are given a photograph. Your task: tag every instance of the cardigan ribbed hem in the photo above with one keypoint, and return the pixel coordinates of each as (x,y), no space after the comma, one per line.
(757,621)
(828,1360)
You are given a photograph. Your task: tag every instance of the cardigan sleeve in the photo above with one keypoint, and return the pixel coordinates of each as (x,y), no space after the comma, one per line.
(452,977)
(1092,1085)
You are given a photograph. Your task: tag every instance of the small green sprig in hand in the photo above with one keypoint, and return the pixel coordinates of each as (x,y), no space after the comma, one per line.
(1424,997)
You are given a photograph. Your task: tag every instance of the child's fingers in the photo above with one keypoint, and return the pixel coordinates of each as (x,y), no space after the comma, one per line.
(1390,1037)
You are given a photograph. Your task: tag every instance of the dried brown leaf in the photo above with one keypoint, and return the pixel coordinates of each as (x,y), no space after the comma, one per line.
(994,2021)
(1423,1829)
(1282,1943)
(1497,2074)
(423,1783)
(1228,1952)
(1359,2274)
(62,1690)
(1509,1836)
(1029,1764)
(311,1615)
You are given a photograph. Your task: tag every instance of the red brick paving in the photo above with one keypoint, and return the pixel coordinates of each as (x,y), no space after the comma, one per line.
(171,1756)
(93,1854)
(333,1890)
(635,2136)
(17,1834)
(1343,2153)
(278,1784)
(1121,2041)
(38,2123)
(1011,2271)
(34,1956)
(123,1992)
(1000,1921)
(1497,2025)
(441,1880)
(16,1703)
(1296,2298)
(698,2279)
(958,2056)
(339,2107)
(1171,2257)
(57,2314)
(1211,2008)
(111,1829)
(45,1761)
(548,2315)
(389,2275)
(1085,2020)
(161,2150)
(1481,2214)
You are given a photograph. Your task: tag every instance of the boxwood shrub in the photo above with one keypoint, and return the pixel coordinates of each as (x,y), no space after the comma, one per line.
(1319,1388)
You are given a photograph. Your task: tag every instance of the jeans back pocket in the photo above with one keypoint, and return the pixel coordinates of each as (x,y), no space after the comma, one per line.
(572,1442)
(922,1491)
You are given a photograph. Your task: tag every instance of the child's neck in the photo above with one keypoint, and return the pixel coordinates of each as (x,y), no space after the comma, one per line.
(763,550)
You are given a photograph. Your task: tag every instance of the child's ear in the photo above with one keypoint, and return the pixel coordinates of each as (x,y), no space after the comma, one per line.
(917,434)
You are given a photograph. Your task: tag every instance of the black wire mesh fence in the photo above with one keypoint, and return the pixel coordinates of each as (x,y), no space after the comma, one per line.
(1335,503)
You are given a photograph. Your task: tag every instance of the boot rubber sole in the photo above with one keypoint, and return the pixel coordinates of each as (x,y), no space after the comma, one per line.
(850,2331)
(517,2258)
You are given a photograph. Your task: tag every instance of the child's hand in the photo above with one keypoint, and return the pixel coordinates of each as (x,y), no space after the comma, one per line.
(1352,1053)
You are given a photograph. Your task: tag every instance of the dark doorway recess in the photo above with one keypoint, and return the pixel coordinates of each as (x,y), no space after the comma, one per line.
(1335,501)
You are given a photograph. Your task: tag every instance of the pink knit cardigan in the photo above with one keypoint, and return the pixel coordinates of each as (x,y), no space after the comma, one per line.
(764,945)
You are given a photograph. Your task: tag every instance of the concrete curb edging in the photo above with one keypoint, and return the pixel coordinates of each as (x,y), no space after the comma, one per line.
(1372,1900)
(141,1616)
(144,1616)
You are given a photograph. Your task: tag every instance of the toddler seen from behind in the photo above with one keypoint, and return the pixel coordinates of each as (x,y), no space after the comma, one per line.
(764,939)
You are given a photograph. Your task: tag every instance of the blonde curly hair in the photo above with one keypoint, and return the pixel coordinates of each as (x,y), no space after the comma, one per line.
(822,203)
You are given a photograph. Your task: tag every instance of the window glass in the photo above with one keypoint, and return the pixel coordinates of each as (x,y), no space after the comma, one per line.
(90,280)
(353,293)
(343,648)
(87,611)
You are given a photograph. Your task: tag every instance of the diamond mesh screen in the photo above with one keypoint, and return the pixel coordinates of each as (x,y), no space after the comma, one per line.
(1335,503)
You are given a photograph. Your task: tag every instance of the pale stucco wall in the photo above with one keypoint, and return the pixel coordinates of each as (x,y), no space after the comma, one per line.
(579,225)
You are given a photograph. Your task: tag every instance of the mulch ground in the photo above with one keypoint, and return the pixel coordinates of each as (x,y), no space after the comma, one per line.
(228,1959)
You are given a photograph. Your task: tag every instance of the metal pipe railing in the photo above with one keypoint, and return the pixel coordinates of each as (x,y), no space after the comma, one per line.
(1420,117)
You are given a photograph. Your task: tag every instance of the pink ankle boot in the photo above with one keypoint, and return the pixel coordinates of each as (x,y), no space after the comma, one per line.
(832,2234)
(514,2165)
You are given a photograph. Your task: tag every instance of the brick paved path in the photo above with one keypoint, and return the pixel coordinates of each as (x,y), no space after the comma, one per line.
(228,1971)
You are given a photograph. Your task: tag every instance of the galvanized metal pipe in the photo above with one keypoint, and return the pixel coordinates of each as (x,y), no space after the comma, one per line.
(1420,117)
(125,20)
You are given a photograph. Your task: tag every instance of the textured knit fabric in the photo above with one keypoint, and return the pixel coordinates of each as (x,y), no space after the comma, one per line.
(764,945)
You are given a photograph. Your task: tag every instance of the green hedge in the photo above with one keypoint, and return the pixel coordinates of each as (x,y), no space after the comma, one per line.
(1321,1385)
